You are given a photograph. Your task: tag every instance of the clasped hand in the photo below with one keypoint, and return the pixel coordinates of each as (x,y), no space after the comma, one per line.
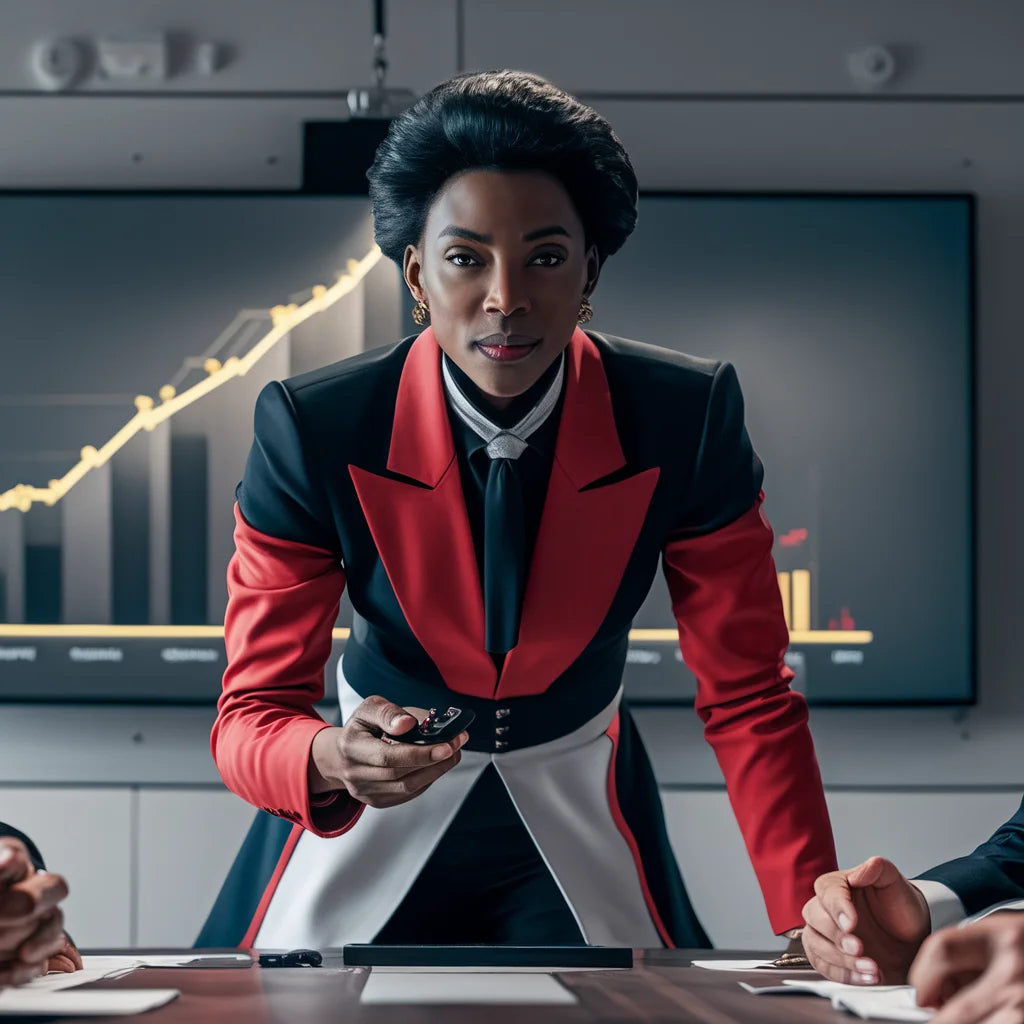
(358,758)
(869,925)
(32,938)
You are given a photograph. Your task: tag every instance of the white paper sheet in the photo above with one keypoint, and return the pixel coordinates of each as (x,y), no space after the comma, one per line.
(115,963)
(743,965)
(870,1002)
(27,1002)
(58,981)
(116,967)
(449,987)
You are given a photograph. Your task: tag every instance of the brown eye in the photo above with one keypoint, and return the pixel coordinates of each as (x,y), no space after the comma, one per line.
(461,259)
(548,259)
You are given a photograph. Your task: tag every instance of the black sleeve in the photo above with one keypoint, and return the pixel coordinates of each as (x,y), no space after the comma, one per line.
(279,494)
(727,474)
(8,831)
(992,873)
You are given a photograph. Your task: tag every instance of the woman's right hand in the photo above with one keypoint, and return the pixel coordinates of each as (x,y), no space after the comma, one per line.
(356,758)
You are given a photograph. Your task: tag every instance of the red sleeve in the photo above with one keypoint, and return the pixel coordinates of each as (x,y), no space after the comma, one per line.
(733,635)
(282,604)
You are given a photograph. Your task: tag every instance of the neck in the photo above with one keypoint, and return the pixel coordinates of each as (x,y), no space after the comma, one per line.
(501,410)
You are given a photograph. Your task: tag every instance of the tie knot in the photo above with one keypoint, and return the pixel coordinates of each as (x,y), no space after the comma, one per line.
(506,446)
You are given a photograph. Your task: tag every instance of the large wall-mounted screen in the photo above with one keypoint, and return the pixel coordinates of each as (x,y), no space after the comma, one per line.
(138,328)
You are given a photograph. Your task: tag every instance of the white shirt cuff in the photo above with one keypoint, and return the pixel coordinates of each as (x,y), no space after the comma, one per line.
(1005,905)
(943,904)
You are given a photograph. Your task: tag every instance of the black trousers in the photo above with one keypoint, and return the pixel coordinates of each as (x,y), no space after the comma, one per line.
(484,883)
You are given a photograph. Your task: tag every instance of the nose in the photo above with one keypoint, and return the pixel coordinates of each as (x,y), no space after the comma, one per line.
(506,291)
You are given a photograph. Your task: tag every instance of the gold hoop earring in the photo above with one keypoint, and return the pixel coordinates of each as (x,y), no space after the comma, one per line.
(421,313)
(586,311)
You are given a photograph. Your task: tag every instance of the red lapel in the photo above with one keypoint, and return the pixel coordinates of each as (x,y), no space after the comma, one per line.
(422,530)
(586,537)
(583,545)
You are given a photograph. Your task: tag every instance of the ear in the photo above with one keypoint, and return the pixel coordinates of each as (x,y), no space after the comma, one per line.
(593,271)
(412,269)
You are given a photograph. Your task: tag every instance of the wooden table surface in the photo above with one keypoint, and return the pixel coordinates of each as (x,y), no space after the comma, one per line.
(660,987)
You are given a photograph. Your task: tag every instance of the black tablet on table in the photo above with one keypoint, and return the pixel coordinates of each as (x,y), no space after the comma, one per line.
(543,957)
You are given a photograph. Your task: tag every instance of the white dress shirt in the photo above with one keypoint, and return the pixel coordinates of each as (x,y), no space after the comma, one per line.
(945,907)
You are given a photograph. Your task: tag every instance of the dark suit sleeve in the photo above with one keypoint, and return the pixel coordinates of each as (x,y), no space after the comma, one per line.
(280,494)
(9,832)
(728,474)
(992,873)
(733,636)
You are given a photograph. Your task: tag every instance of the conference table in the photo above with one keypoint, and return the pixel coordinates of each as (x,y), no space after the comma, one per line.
(661,986)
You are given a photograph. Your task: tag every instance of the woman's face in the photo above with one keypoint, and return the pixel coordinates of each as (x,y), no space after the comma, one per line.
(503,266)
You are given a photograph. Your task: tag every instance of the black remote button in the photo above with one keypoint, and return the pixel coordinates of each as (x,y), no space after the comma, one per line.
(437,727)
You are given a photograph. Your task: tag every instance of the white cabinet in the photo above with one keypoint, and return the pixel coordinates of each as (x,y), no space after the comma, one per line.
(187,839)
(145,864)
(86,835)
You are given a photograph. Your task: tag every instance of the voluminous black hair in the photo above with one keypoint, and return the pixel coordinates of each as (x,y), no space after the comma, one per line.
(500,120)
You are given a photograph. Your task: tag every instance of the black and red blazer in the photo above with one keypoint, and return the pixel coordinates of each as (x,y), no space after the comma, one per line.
(353,481)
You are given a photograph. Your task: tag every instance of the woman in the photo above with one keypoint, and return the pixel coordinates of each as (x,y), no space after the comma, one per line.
(496,494)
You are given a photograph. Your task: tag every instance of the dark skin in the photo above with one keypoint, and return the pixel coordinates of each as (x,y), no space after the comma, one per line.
(32,939)
(503,265)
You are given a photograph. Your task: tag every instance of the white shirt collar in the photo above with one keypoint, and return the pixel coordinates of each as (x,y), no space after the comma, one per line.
(510,442)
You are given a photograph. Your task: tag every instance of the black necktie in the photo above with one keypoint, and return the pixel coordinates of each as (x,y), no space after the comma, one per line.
(504,515)
(504,554)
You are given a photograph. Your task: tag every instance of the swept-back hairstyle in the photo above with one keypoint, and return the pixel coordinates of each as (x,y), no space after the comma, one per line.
(500,120)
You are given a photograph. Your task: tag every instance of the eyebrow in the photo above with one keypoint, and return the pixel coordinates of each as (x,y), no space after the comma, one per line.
(530,236)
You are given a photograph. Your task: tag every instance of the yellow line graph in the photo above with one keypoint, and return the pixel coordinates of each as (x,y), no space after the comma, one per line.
(108,632)
(149,415)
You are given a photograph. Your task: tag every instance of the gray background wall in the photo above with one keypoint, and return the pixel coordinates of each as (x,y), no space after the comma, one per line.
(708,94)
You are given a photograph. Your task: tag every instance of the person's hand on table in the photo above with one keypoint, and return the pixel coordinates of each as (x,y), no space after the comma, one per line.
(31,922)
(376,771)
(68,960)
(865,924)
(975,974)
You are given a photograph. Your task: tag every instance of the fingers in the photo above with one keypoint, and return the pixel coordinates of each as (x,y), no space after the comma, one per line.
(15,863)
(47,940)
(834,964)
(819,918)
(31,898)
(836,890)
(372,758)
(67,960)
(17,973)
(876,872)
(832,892)
(954,953)
(388,792)
(376,715)
(992,998)
(70,951)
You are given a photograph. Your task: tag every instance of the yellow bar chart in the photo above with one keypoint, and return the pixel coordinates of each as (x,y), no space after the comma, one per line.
(795,588)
